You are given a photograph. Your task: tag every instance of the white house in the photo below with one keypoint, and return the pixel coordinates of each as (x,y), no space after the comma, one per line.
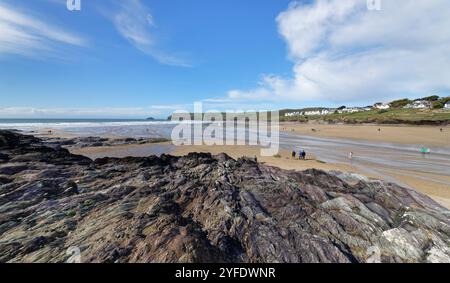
(447,105)
(293,114)
(320,112)
(351,110)
(381,106)
(419,104)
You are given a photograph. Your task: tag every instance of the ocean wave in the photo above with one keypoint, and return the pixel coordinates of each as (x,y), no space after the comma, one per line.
(63,125)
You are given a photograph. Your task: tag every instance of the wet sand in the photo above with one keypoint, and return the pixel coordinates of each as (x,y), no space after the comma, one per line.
(121,151)
(420,135)
(57,133)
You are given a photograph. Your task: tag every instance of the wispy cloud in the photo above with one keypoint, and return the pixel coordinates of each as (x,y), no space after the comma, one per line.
(343,52)
(24,35)
(135,23)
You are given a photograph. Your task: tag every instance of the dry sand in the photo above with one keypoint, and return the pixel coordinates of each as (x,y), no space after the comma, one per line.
(421,135)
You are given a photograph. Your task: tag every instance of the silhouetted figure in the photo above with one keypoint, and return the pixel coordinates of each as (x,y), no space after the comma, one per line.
(304,155)
(49,132)
(293,154)
(379,130)
(442,130)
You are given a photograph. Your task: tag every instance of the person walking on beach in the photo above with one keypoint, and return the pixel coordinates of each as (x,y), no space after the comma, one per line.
(293,154)
(304,155)
(350,155)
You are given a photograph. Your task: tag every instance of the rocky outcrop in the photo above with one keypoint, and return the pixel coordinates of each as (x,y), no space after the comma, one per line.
(203,208)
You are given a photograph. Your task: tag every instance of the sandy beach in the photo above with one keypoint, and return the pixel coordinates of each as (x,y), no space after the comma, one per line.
(388,154)
(423,135)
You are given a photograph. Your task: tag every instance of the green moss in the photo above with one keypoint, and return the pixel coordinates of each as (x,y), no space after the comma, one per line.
(71,213)
(89,202)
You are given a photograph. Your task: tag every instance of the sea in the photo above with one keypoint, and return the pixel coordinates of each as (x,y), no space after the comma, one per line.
(136,128)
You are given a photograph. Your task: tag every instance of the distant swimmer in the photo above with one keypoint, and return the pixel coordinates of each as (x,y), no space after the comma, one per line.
(425,150)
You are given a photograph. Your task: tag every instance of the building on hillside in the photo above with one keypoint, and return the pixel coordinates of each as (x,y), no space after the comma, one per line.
(419,104)
(381,106)
(318,112)
(447,105)
(292,114)
(352,110)
(327,111)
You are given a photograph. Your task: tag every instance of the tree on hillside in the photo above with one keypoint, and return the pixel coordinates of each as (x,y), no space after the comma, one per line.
(400,103)
(439,104)
(429,98)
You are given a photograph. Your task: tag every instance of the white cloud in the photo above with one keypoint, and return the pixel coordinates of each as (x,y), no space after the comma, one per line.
(343,52)
(134,22)
(21,34)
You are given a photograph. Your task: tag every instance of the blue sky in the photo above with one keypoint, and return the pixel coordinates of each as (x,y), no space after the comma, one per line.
(141,58)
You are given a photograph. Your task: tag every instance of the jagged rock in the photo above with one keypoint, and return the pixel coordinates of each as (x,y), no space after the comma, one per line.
(203,208)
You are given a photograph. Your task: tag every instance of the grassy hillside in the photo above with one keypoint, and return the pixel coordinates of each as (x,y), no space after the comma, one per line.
(393,116)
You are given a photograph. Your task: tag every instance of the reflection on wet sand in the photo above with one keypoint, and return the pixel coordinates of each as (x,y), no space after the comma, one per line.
(399,163)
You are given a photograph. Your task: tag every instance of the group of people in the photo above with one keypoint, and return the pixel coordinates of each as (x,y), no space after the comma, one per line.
(301,155)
